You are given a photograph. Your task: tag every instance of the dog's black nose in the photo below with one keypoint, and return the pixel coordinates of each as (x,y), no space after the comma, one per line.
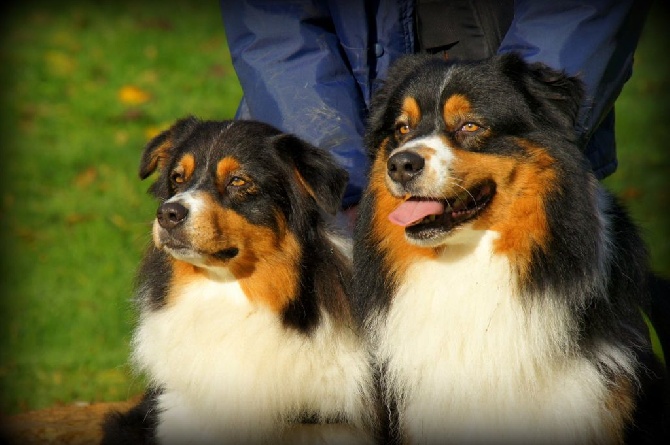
(404,165)
(171,214)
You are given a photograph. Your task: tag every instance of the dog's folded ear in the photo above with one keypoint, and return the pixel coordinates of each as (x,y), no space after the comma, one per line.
(316,169)
(561,95)
(158,149)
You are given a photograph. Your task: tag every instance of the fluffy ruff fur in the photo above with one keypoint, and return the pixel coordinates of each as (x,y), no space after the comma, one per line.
(245,328)
(501,287)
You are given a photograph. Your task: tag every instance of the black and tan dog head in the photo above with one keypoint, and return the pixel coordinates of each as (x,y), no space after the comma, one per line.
(483,145)
(233,192)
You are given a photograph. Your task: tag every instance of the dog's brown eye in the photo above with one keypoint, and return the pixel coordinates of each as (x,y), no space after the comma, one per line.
(236,181)
(402,128)
(177,177)
(470,127)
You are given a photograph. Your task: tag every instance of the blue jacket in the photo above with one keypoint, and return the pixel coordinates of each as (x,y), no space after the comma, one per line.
(310,67)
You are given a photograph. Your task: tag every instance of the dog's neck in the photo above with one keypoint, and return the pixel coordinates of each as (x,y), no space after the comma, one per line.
(491,339)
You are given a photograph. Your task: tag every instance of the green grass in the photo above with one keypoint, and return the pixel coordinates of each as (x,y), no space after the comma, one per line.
(74,216)
(643,134)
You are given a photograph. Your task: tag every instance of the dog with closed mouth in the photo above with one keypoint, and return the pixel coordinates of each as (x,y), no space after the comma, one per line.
(502,288)
(245,327)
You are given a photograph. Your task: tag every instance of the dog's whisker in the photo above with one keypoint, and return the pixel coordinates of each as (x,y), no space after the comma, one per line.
(466,191)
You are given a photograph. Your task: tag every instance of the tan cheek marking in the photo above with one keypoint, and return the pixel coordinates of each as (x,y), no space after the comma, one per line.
(209,229)
(266,268)
(267,260)
(183,274)
(206,236)
(455,108)
(410,108)
(517,211)
(399,254)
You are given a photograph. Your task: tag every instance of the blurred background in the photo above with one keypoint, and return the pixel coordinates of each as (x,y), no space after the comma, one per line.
(84,86)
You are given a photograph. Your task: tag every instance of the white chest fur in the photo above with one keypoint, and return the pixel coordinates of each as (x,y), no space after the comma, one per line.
(232,373)
(469,363)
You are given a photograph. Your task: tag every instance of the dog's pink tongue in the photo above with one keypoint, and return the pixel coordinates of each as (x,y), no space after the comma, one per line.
(412,211)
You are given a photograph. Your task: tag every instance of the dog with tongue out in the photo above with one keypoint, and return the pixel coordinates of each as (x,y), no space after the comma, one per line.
(428,219)
(414,210)
(499,284)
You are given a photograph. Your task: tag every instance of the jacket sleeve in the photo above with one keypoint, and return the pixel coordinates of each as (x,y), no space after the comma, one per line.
(298,75)
(593,40)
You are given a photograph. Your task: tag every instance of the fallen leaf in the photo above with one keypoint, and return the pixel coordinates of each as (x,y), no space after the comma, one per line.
(133,95)
(86,177)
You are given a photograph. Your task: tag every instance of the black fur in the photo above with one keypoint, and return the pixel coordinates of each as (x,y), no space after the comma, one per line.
(136,426)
